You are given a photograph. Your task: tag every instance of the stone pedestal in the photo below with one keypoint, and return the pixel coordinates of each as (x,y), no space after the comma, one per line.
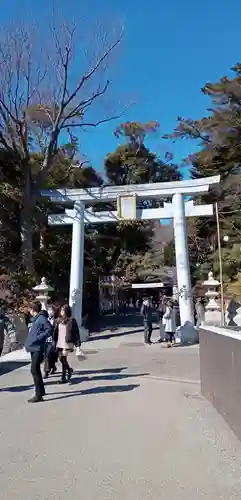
(187,334)
(212,310)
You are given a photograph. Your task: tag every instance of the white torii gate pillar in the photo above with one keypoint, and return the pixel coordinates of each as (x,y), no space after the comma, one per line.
(77,262)
(182,259)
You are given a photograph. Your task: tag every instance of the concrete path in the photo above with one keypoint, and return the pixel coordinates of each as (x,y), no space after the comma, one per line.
(131,425)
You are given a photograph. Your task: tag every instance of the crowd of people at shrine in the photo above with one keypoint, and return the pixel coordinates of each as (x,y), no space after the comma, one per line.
(53,334)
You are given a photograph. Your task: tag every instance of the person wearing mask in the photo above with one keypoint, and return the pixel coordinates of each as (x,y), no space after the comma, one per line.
(50,354)
(169,324)
(66,337)
(39,331)
(146,312)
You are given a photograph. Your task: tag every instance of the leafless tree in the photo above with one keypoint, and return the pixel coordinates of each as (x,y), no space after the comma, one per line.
(49,88)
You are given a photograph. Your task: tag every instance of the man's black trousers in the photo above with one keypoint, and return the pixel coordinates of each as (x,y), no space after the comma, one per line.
(36,360)
(147,331)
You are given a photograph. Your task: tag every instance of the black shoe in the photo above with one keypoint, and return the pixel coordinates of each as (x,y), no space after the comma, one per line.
(70,373)
(62,381)
(35,399)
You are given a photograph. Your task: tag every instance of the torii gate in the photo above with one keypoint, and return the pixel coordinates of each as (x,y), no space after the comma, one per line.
(126,197)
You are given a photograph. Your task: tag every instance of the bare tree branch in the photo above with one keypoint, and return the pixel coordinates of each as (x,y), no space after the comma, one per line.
(83,105)
(38,100)
(94,69)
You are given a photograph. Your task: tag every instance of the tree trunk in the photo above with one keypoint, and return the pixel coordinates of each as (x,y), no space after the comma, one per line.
(27,222)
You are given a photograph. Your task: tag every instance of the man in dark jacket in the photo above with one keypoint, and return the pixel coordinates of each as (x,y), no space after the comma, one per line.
(146,312)
(39,331)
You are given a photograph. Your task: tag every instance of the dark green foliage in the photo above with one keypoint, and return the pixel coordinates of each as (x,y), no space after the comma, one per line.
(132,162)
(218,135)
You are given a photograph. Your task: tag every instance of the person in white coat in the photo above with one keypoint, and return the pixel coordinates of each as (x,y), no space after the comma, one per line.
(169,323)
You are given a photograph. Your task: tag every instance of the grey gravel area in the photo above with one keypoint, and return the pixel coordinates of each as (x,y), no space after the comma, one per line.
(131,425)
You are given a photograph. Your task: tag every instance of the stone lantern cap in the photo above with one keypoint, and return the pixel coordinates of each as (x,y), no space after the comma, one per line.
(43,287)
(211,282)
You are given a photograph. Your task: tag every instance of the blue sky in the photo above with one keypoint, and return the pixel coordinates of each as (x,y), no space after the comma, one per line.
(170,50)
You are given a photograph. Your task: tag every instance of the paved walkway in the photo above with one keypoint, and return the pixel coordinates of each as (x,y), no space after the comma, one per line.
(131,426)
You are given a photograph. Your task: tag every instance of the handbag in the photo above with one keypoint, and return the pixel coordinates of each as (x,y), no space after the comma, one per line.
(80,354)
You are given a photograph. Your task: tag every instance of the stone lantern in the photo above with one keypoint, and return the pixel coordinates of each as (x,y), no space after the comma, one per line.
(212,309)
(43,293)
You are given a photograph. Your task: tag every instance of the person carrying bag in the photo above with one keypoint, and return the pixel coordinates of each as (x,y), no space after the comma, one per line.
(66,337)
(169,323)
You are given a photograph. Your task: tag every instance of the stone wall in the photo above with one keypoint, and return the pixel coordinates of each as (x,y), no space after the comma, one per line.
(220,372)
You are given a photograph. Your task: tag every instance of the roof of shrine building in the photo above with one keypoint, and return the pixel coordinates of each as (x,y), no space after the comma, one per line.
(165,275)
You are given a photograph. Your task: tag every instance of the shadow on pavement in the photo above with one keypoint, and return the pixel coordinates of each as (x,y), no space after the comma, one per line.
(103,370)
(95,378)
(10,366)
(95,390)
(17,388)
(78,380)
(113,335)
(79,377)
(113,322)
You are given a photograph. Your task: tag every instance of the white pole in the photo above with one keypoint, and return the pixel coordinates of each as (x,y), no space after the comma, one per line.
(77,262)
(182,260)
(220,266)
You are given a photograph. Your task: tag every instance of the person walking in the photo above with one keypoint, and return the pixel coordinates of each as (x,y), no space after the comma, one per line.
(50,353)
(66,337)
(146,312)
(169,323)
(199,311)
(39,331)
(176,309)
(161,311)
